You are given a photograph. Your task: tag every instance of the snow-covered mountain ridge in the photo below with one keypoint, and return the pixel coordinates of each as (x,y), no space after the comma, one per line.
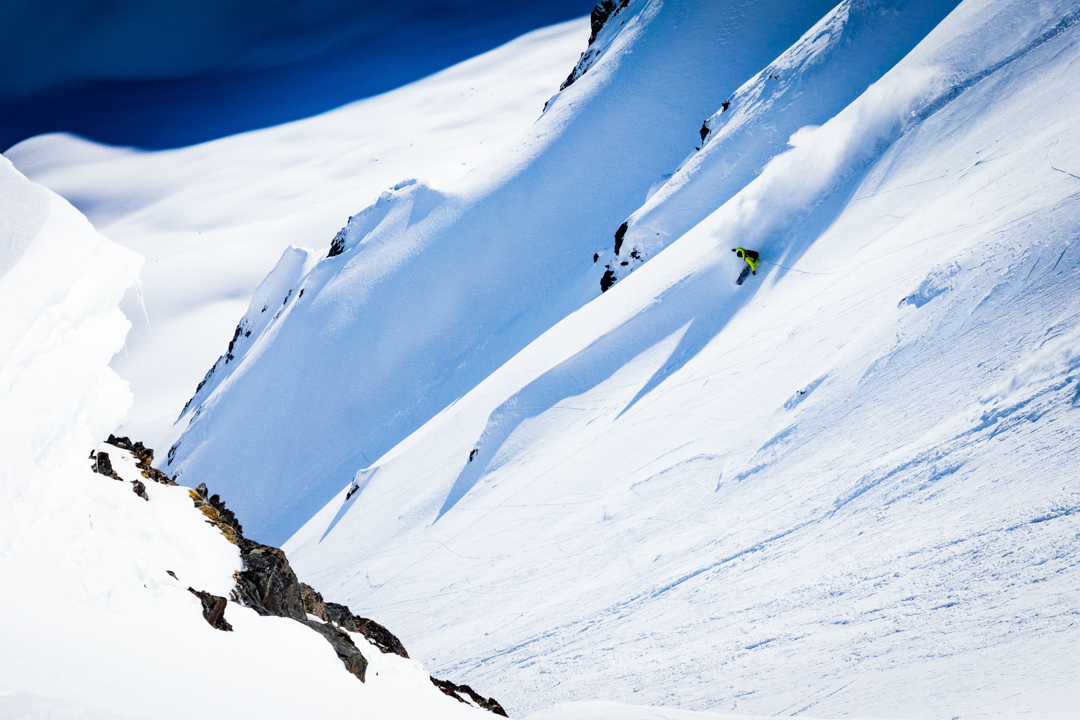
(213,219)
(840,489)
(444,289)
(845,487)
(115,601)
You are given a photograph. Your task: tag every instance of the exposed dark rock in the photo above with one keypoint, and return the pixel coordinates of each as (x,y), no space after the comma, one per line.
(599,16)
(235,336)
(268,584)
(338,245)
(380,637)
(604,11)
(103,466)
(473,453)
(144,459)
(461,692)
(172,574)
(339,615)
(595,257)
(351,657)
(725,105)
(704,131)
(313,602)
(619,235)
(213,609)
(608,280)
(217,514)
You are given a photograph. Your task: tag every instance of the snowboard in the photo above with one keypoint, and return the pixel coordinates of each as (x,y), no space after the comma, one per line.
(743,275)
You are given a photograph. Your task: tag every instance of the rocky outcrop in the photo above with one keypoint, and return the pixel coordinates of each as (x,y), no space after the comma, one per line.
(342,616)
(607,280)
(380,637)
(343,645)
(217,514)
(337,246)
(611,276)
(144,459)
(268,585)
(213,608)
(465,694)
(103,465)
(604,11)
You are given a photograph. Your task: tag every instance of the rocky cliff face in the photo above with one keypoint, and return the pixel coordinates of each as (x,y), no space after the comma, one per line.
(268,585)
(601,17)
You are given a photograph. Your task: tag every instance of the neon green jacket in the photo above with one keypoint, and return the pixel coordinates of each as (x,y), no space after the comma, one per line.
(750,256)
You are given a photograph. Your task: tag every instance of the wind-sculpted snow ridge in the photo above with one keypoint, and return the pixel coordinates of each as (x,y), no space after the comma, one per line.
(446,288)
(846,487)
(851,47)
(60,283)
(115,602)
(266,306)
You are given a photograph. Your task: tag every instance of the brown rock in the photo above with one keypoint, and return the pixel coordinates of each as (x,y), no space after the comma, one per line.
(380,637)
(268,584)
(461,692)
(346,650)
(213,609)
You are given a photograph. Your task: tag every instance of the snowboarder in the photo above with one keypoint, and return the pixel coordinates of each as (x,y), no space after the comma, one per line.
(750,256)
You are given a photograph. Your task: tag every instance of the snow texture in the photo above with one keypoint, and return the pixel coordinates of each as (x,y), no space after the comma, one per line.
(214,219)
(443,290)
(846,488)
(96,618)
(851,47)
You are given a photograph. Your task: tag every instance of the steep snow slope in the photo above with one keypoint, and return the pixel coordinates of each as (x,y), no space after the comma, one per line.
(847,487)
(212,220)
(825,70)
(447,284)
(92,622)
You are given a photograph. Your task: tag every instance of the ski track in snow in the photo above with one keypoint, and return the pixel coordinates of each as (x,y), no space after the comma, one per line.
(653,518)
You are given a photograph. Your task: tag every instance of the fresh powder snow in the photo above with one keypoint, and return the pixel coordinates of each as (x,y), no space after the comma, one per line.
(519,410)
(846,487)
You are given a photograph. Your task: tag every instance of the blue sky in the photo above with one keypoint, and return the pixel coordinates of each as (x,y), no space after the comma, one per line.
(167,73)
